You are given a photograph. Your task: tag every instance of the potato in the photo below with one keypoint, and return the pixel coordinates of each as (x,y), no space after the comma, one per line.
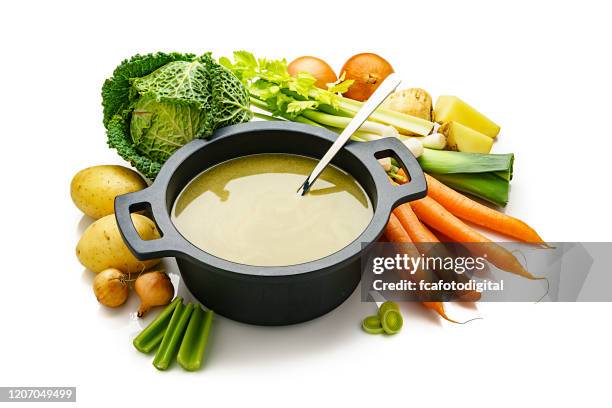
(94,189)
(102,247)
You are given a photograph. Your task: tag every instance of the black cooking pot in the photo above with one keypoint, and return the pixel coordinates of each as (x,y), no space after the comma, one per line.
(268,295)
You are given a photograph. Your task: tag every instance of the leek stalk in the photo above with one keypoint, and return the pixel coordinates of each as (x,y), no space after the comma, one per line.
(448,162)
(487,186)
(486,176)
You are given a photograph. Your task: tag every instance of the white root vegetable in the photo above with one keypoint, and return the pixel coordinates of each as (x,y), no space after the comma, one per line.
(385,162)
(414,145)
(435,141)
(379,129)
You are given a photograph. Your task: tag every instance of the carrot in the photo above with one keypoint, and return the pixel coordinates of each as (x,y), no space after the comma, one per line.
(395,232)
(420,234)
(403,175)
(417,231)
(438,307)
(479,214)
(439,218)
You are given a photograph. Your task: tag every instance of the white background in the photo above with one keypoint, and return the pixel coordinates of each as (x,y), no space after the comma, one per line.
(541,70)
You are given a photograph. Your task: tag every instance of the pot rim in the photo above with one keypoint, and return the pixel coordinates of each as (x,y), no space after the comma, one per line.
(173,244)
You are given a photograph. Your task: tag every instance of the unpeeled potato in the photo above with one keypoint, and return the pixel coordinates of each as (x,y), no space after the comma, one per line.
(94,189)
(102,247)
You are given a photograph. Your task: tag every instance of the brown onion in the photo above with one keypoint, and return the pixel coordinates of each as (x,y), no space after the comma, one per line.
(368,71)
(153,289)
(315,67)
(110,287)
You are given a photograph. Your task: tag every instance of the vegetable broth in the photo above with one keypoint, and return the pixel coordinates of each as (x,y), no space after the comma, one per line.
(246,210)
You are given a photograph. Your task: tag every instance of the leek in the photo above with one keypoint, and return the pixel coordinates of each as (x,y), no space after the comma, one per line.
(487,186)
(486,176)
(448,162)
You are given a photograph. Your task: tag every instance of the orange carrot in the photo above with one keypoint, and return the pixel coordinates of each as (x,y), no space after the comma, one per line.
(479,214)
(420,234)
(437,217)
(403,174)
(438,307)
(394,232)
(417,231)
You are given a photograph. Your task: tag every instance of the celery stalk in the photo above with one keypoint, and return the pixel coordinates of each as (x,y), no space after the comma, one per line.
(152,335)
(173,336)
(263,106)
(193,346)
(341,122)
(400,121)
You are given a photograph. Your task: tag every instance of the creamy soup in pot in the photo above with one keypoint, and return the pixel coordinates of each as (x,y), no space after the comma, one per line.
(247,210)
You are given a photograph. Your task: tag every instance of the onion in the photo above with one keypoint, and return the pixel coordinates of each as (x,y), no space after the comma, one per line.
(315,67)
(110,287)
(153,289)
(368,71)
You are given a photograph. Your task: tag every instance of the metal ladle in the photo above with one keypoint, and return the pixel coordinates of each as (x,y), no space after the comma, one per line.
(382,92)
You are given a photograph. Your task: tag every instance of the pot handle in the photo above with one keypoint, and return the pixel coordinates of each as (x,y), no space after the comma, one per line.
(396,195)
(127,204)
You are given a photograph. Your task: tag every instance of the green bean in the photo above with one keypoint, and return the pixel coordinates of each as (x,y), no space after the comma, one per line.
(192,349)
(152,335)
(173,336)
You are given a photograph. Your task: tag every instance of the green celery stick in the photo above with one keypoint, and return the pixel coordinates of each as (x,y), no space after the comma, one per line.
(192,349)
(152,335)
(172,338)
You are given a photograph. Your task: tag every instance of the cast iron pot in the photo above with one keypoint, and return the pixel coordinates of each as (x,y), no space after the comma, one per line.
(267,295)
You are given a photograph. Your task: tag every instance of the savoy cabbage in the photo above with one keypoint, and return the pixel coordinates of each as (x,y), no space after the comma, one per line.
(156,103)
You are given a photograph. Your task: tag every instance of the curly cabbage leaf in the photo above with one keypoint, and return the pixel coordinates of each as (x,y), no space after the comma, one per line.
(229,98)
(117,90)
(156,103)
(159,128)
(117,131)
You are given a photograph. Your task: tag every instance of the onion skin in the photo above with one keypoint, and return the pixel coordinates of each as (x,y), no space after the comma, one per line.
(314,66)
(368,71)
(153,289)
(110,287)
